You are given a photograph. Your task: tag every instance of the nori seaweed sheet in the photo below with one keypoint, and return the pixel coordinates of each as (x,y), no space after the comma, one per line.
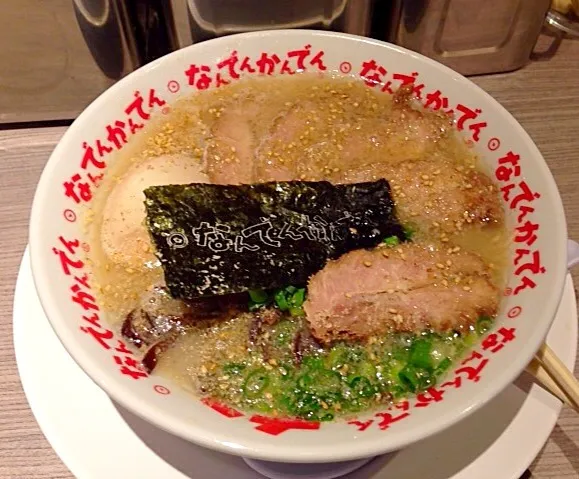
(223,239)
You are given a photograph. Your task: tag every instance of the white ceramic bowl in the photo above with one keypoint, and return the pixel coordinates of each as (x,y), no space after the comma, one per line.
(530,301)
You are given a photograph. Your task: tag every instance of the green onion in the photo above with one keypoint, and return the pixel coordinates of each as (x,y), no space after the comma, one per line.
(280,300)
(298,297)
(304,381)
(307,406)
(290,299)
(420,354)
(362,386)
(255,383)
(367,369)
(327,417)
(483,324)
(262,406)
(426,380)
(391,241)
(258,295)
(415,379)
(355,354)
(336,358)
(393,367)
(442,366)
(409,377)
(409,232)
(327,381)
(313,362)
(297,312)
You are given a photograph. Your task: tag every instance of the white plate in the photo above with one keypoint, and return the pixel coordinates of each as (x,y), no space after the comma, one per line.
(97,439)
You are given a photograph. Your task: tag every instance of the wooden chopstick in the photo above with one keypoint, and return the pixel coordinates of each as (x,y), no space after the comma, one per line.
(543,378)
(555,377)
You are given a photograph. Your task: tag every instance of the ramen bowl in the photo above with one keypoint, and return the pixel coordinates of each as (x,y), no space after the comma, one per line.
(534,214)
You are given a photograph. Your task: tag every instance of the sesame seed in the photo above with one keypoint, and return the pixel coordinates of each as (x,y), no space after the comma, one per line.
(392,311)
(367,263)
(466,288)
(425,177)
(390,291)
(444,282)
(448,263)
(440,265)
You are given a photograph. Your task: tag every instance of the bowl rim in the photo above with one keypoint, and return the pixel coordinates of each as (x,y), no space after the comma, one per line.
(262,448)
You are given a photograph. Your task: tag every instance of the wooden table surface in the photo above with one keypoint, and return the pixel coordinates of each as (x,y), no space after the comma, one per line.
(544,97)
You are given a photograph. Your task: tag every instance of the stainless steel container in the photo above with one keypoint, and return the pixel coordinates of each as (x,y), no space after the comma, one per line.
(58,55)
(212,18)
(471,36)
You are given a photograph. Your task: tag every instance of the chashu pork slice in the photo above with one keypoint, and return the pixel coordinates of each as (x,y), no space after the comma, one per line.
(412,288)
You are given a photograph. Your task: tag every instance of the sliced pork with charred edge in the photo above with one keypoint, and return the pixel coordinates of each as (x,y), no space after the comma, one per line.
(411,288)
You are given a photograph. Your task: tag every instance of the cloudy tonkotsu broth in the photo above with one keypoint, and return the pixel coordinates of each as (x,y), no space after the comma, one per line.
(306,128)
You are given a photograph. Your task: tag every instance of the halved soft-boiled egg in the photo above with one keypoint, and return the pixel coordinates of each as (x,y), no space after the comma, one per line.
(124,235)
